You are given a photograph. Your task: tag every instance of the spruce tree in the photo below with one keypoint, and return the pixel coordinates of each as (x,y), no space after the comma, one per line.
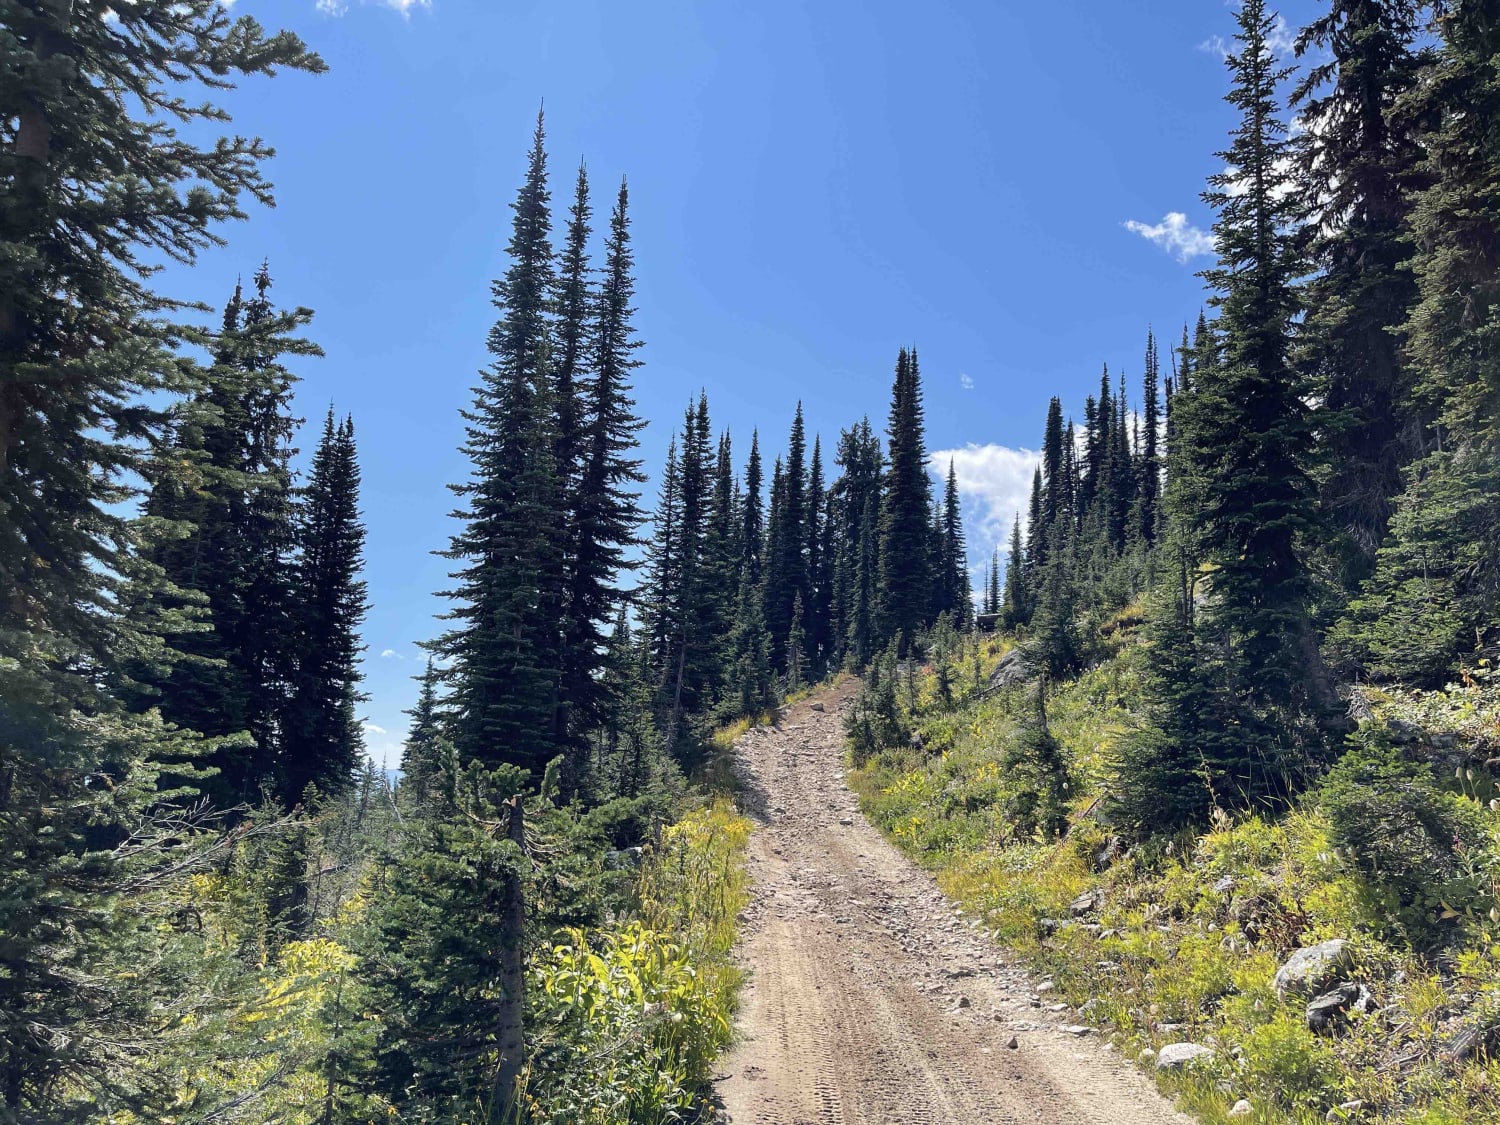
(1149,465)
(422,754)
(906,566)
(752,537)
(604,514)
(506,642)
(1432,602)
(95,185)
(231,501)
(322,742)
(953,564)
(1243,443)
(1358,164)
(1015,607)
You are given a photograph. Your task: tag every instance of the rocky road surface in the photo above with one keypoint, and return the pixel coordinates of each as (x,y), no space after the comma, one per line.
(871,1001)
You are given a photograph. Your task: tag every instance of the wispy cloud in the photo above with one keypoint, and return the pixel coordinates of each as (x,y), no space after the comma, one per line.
(390,654)
(965,381)
(371,728)
(994,482)
(404,7)
(1282,40)
(1175,235)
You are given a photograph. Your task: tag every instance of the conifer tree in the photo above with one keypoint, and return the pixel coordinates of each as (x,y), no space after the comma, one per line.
(604,514)
(1243,433)
(1016,606)
(906,566)
(787,542)
(1432,601)
(322,743)
(953,577)
(233,506)
(752,537)
(1358,167)
(855,509)
(506,641)
(94,185)
(421,756)
(818,603)
(576,308)
(1150,464)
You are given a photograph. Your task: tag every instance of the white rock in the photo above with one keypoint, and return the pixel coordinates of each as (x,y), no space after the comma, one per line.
(1176,1056)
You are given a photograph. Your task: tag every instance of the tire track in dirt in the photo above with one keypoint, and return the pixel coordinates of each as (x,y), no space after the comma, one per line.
(871,1001)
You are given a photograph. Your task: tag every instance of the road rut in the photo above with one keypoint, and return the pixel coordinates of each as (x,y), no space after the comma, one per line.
(870,1000)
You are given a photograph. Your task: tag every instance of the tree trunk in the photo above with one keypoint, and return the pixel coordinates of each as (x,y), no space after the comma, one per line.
(511,1029)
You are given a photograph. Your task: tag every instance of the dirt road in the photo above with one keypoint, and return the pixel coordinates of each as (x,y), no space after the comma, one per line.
(870,1000)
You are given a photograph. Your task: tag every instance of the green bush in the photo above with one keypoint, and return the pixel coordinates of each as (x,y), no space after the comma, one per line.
(1415,847)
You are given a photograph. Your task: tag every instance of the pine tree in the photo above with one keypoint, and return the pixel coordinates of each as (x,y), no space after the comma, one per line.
(953,564)
(95,186)
(818,601)
(1358,165)
(752,538)
(1432,601)
(1150,463)
(604,508)
(1243,431)
(232,503)
(422,756)
(506,641)
(1015,608)
(787,542)
(906,568)
(856,510)
(322,743)
(576,305)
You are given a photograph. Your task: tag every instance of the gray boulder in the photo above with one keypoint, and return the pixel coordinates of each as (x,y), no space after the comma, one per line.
(1310,970)
(1014,668)
(1328,1014)
(1178,1056)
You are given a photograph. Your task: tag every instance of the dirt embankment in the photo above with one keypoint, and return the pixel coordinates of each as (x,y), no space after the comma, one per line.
(870,1000)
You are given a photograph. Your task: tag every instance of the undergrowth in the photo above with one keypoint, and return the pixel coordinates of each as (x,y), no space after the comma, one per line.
(1183,935)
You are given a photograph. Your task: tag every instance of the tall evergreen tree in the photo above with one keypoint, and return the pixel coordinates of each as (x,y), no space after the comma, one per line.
(1243,430)
(506,641)
(94,184)
(1016,605)
(322,743)
(1359,161)
(1432,601)
(906,566)
(604,507)
(954,596)
(752,537)
(233,505)
(1150,463)
(421,755)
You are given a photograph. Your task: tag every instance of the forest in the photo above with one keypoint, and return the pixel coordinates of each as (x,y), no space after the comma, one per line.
(1247,630)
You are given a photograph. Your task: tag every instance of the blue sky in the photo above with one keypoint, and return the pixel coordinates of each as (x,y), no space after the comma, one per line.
(813,186)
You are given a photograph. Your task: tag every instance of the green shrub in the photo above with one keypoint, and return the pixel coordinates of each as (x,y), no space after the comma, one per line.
(1414,846)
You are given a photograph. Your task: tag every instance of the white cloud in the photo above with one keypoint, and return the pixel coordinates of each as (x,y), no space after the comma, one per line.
(371,728)
(404,7)
(995,484)
(390,654)
(965,381)
(1175,235)
(1281,39)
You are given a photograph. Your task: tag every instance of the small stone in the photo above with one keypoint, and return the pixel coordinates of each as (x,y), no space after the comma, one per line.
(1344,1111)
(1224,885)
(1241,1108)
(1012,1044)
(1045,986)
(815,706)
(1148,1056)
(846,821)
(1177,1056)
(1077,1029)
(1085,903)
(963,1001)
